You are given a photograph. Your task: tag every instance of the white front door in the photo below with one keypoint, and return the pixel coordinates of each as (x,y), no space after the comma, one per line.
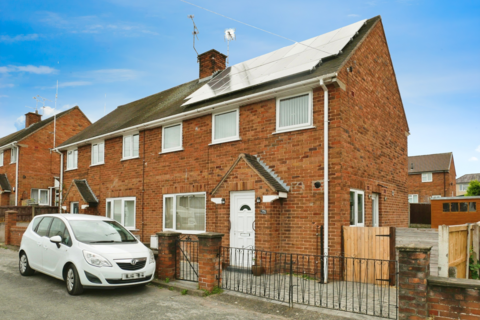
(375,209)
(242,218)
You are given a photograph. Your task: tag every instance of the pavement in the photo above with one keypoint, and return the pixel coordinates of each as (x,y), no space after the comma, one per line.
(43,297)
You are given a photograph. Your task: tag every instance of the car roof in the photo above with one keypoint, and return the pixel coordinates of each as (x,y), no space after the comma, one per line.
(72,216)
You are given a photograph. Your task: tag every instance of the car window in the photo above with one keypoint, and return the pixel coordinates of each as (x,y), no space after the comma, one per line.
(35,223)
(58,228)
(67,239)
(100,231)
(42,229)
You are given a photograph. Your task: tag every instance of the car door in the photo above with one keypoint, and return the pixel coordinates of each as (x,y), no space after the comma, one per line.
(55,256)
(35,252)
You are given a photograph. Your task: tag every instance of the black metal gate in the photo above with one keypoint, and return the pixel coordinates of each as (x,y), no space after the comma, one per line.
(186,262)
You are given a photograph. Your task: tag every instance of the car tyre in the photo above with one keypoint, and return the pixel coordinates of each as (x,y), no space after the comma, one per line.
(24,266)
(72,281)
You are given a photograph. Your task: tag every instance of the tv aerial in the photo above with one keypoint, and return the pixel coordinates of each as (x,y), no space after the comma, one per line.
(195,32)
(229,36)
(38,98)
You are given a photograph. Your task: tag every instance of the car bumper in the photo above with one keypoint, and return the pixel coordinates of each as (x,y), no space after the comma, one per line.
(111,277)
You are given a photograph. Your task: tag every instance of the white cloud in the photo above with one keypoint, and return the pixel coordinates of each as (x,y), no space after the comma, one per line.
(28,68)
(20,123)
(20,37)
(68,84)
(109,75)
(353,15)
(7,85)
(473,159)
(478,149)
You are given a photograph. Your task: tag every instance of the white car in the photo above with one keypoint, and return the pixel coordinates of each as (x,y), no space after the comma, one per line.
(85,251)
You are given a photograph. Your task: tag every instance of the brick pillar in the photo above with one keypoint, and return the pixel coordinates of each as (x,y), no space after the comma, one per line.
(10,221)
(209,267)
(167,248)
(414,268)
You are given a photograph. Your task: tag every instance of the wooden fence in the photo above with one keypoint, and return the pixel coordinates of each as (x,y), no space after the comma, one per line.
(377,246)
(455,244)
(420,213)
(26,213)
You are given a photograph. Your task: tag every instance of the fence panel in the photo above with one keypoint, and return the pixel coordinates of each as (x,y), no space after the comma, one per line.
(26,213)
(420,213)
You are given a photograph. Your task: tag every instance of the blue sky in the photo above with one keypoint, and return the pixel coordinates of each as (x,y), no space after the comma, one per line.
(127,50)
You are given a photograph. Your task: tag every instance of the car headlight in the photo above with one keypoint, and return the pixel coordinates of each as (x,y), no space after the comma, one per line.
(95,260)
(152,257)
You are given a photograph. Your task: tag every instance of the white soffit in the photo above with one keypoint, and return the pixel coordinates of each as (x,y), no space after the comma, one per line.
(287,61)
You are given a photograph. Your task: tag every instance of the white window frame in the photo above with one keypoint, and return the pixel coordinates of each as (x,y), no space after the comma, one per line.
(179,148)
(357,192)
(130,136)
(412,196)
(435,196)
(302,126)
(174,196)
(123,199)
(75,159)
(426,177)
(229,139)
(38,196)
(463,186)
(1,158)
(92,155)
(13,154)
(72,204)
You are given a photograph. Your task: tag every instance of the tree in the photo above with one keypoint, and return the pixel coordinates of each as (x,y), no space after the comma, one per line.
(473,188)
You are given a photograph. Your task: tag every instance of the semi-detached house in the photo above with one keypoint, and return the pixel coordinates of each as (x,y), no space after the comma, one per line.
(263,151)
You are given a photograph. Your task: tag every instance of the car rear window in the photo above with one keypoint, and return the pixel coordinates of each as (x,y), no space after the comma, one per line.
(43,227)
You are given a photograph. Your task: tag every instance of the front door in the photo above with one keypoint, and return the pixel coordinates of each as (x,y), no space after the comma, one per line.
(73,207)
(375,210)
(242,218)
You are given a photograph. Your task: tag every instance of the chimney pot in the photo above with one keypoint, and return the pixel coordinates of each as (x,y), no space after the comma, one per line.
(32,118)
(210,62)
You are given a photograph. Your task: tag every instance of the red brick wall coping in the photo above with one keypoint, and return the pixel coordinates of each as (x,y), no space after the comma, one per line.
(414,247)
(210,235)
(168,234)
(454,282)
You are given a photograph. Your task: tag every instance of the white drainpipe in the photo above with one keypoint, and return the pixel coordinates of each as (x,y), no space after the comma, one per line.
(16,176)
(325,179)
(61,180)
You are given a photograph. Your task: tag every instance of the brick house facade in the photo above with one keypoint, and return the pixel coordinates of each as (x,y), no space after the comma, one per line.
(431,176)
(367,150)
(37,166)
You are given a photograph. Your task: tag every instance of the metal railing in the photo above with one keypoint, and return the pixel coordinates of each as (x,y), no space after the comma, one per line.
(364,286)
(186,262)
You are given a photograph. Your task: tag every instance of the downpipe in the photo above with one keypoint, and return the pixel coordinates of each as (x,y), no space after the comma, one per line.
(325,180)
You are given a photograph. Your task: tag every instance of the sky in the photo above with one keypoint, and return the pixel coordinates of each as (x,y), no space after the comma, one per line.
(106,53)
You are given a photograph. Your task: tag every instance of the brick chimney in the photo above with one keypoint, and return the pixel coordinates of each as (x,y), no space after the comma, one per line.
(210,62)
(31,118)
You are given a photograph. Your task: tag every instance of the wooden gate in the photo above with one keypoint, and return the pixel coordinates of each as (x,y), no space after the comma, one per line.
(370,254)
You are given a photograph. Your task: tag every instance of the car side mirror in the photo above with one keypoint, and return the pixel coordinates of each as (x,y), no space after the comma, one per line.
(57,240)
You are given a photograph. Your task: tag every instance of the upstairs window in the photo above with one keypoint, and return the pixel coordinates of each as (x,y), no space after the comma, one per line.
(98,153)
(225,127)
(72,159)
(13,155)
(294,112)
(1,158)
(413,198)
(172,138)
(427,177)
(40,196)
(463,186)
(130,146)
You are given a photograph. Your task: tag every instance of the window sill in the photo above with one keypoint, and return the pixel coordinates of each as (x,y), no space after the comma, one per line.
(294,129)
(225,141)
(71,169)
(125,159)
(170,151)
(97,164)
(185,231)
(13,162)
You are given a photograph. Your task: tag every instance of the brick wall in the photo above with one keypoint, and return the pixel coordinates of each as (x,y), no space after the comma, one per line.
(453,298)
(10,170)
(443,184)
(210,62)
(16,234)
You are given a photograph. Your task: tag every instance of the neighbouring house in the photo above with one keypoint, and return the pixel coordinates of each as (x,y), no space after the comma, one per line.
(245,150)
(431,176)
(29,168)
(464,181)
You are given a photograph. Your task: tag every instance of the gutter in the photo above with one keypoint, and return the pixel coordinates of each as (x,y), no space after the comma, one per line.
(11,144)
(325,179)
(207,110)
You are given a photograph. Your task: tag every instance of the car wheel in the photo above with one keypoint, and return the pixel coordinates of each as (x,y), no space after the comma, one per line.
(23,265)
(72,281)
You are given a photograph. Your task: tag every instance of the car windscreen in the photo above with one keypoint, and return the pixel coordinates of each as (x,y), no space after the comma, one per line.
(99,231)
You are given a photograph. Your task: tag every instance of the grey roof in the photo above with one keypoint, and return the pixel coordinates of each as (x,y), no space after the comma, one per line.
(169,102)
(22,134)
(459,198)
(430,163)
(85,191)
(466,178)
(4,183)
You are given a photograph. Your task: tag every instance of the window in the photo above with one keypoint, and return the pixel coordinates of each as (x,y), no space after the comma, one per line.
(72,159)
(58,229)
(435,197)
(413,198)
(172,138)
(184,212)
(454,207)
(473,207)
(357,216)
(43,227)
(130,146)
(13,155)
(463,206)
(122,210)
(294,112)
(1,158)
(427,177)
(74,207)
(446,207)
(40,196)
(98,153)
(225,127)
(463,186)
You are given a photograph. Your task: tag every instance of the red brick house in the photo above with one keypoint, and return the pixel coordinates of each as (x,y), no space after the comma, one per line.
(431,176)
(27,154)
(242,151)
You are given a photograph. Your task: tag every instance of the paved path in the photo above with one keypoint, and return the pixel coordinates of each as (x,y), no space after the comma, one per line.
(43,297)
(422,236)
